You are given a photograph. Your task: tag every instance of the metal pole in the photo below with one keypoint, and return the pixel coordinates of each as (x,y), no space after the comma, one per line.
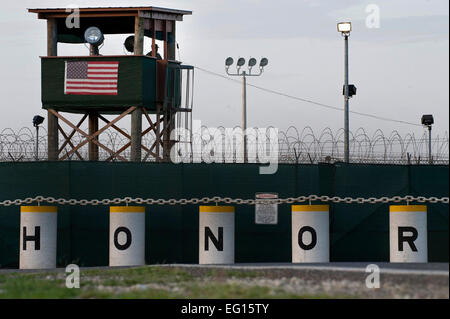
(346,115)
(244,114)
(36,156)
(93,50)
(430,159)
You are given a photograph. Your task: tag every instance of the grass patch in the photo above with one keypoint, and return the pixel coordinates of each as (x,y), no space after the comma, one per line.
(142,282)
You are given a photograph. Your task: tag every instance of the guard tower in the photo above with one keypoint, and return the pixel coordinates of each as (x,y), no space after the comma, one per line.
(95,85)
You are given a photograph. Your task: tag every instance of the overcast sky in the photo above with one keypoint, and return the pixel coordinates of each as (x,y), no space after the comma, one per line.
(401,69)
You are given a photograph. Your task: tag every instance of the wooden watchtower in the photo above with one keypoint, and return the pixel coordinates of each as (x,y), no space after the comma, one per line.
(139,85)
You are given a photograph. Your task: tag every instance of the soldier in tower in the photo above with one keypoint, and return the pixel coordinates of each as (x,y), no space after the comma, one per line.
(157,55)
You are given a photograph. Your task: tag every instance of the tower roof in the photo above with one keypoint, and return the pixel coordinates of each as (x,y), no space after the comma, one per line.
(148,12)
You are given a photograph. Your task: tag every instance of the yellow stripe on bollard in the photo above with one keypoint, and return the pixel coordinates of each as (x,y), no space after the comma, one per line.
(407,208)
(216,209)
(127,209)
(310,208)
(38,209)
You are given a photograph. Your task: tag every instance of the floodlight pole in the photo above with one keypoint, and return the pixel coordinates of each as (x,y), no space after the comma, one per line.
(346,107)
(93,50)
(244,115)
(36,154)
(244,75)
(430,159)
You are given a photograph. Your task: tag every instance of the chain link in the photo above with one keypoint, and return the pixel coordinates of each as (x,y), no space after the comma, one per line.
(223,200)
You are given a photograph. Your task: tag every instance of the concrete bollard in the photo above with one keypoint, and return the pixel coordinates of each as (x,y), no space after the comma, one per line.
(38,230)
(216,235)
(408,234)
(126,236)
(310,234)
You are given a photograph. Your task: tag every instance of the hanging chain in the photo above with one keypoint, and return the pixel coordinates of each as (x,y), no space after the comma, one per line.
(223,200)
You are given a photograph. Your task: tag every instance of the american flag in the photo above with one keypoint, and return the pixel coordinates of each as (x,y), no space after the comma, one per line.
(91,78)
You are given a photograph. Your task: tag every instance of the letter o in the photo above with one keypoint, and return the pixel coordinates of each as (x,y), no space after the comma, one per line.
(116,238)
(313,237)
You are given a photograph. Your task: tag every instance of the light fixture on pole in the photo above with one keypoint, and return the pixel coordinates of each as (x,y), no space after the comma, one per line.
(37,120)
(95,38)
(428,121)
(239,64)
(349,90)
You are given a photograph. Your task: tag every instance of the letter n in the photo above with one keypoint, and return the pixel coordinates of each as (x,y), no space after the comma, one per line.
(218,242)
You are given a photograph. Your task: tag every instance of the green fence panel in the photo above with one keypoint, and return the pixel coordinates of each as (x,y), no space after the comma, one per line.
(22,180)
(433,181)
(357,232)
(361,232)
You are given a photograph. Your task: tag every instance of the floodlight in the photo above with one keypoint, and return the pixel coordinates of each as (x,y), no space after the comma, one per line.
(344,27)
(93,36)
(263,62)
(229,61)
(351,90)
(252,62)
(129,43)
(240,62)
(37,120)
(427,120)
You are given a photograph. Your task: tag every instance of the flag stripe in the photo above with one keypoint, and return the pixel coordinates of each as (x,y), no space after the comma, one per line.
(92,90)
(90,93)
(92,82)
(105,73)
(93,86)
(103,76)
(103,62)
(103,67)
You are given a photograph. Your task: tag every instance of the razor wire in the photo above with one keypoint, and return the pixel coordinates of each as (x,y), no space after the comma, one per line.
(224,200)
(294,146)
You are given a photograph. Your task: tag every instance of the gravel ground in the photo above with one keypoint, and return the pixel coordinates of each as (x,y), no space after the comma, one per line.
(336,283)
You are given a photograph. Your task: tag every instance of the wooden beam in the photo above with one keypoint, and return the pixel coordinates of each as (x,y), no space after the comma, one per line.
(158,127)
(150,122)
(52,37)
(52,137)
(153,38)
(136,137)
(90,137)
(72,133)
(152,127)
(138,36)
(161,16)
(52,121)
(68,141)
(93,127)
(86,15)
(115,127)
(128,145)
(165,39)
(173,44)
